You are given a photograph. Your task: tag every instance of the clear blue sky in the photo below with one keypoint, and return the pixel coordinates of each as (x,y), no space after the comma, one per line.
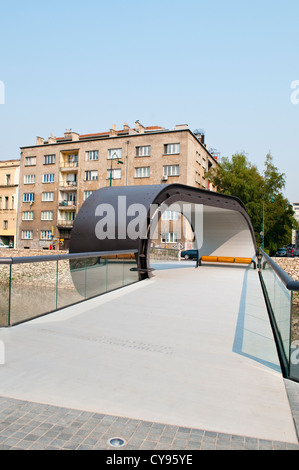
(224,66)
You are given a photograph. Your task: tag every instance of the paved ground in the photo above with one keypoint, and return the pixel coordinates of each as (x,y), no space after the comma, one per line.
(183,361)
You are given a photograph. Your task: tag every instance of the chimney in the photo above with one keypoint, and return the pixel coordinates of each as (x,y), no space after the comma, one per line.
(126,127)
(39,141)
(52,139)
(70,135)
(139,127)
(113,131)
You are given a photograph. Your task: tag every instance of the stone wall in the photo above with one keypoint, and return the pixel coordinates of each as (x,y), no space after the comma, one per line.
(291,267)
(43,274)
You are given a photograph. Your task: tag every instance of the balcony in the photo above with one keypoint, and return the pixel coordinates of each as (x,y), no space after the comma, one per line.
(67,205)
(68,185)
(68,166)
(65,223)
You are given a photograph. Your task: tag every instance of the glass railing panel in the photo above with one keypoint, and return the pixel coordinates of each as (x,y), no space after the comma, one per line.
(33,290)
(130,269)
(69,271)
(294,350)
(282,308)
(4,294)
(280,299)
(115,273)
(96,269)
(39,286)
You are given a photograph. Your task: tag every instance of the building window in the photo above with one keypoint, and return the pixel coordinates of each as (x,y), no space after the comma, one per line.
(169,237)
(170,215)
(27,234)
(171,149)
(114,153)
(71,179)
(46,235)
(28,197)
(142,172)
(47,197)
(30,161)
(8,180)
(5,224)
(87,194)
(49,159)
(47,215)
(171,170)
(28,215)
(6,202)
(91,175)
(12,202)
(29,179)
(115,174)
(92,155)
(143,151)
(48,178)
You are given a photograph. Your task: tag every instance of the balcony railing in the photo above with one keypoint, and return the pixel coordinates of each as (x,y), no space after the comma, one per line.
(68,184)
(67,204)
(36,285)
(65,223)
(68,165)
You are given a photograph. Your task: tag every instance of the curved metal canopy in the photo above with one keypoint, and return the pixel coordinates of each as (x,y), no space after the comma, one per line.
(122,218)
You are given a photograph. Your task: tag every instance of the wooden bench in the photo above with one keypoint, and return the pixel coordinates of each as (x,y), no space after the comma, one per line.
(226,259)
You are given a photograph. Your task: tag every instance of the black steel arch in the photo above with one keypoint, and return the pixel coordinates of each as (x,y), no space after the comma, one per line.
(218,209)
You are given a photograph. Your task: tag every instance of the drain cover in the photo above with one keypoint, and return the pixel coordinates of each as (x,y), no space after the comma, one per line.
(116,442)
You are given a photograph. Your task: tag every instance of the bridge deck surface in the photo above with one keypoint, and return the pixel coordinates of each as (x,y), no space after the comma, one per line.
(189,347)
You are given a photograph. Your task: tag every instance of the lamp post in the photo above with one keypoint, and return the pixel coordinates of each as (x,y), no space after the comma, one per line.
(263,225)
(119,162)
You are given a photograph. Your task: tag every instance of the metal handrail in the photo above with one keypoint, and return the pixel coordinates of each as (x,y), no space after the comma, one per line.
(288,282)
(65,256)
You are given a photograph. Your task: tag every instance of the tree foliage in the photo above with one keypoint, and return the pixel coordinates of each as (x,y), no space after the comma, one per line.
(260,194)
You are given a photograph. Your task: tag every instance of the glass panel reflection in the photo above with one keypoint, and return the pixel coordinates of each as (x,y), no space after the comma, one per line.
(33,290)
(4,294)
(39,287)
(67,294)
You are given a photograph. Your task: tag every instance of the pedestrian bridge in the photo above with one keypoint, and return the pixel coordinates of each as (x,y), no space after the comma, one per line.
(190,346)
(202,344)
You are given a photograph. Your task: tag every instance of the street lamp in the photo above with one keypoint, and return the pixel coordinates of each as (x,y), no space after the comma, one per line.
(119,162)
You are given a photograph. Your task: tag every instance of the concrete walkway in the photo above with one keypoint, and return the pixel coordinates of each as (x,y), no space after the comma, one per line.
(191,348)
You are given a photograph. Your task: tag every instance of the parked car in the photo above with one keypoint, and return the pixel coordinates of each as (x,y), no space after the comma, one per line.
(281,252)
(189,254)
(292,252)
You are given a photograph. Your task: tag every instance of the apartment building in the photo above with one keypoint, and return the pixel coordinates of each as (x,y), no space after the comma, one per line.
(9,191)
(295,234)
(59,173)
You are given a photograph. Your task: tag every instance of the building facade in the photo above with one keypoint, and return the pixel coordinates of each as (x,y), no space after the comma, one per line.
(296,232)
(9,192)
(58,174)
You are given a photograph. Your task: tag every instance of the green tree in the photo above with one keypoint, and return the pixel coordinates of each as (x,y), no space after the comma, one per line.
(279,214)
(260,194)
